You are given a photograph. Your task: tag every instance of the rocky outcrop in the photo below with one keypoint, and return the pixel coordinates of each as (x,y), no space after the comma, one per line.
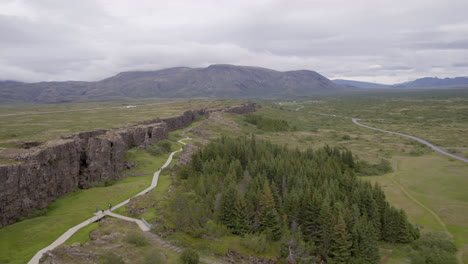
(56,168)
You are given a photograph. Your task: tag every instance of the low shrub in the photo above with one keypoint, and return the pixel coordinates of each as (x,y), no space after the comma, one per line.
(268,124)
(215,229)
(112,258)
(346,137)
(159,148)
(258,243)
(154,257)
(433,248)
(367,169)
(136,238)
(189,256)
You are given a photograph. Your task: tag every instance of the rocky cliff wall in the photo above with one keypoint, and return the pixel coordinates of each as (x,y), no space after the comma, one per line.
(78,161)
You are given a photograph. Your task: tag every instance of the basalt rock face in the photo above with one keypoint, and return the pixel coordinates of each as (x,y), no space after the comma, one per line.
(77,162)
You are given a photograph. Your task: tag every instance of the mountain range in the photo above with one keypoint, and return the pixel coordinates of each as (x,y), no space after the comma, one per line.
(220,81)
(418,83)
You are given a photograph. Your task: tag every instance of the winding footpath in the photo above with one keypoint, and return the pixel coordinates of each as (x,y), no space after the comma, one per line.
(65,236)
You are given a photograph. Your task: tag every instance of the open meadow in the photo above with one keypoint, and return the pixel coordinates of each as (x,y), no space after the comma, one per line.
(41,122)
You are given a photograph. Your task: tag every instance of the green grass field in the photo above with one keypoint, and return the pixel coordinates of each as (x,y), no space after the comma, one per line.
(18,129)
(431,190)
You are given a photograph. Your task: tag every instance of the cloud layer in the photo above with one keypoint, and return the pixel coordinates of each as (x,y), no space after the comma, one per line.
(384,41)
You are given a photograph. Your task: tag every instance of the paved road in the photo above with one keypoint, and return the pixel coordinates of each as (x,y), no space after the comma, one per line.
(299,108)
(453,148)
(435,148)
(65,236)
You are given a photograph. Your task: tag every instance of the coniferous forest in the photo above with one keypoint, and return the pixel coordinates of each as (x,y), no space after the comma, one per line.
(310,202)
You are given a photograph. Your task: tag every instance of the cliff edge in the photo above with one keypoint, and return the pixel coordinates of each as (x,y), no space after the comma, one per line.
(58,167)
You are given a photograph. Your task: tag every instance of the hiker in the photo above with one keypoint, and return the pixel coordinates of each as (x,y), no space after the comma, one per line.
(102,210)
(110,207)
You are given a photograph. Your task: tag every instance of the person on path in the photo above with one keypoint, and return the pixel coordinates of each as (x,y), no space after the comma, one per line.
(110,207)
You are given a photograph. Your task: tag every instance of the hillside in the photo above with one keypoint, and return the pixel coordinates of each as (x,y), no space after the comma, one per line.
(426,82)
(435,82)
(223,81)
(360,84)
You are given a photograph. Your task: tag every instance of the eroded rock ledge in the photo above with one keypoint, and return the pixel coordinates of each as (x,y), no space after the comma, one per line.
(58,167)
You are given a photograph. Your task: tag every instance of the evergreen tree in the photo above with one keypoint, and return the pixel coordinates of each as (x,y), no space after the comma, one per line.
(326,227)
(366,244)
(241,222)
(270,221)
(311,218)
(403,234)
(226,213)
(340,243)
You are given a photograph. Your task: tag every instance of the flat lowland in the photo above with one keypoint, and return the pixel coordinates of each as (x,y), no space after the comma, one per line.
(430,189)
(39,123)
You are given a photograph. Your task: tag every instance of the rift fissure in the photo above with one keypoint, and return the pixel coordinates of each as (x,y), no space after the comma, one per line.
(80,160)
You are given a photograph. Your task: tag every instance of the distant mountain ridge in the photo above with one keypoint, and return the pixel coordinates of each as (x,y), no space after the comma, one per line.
(220,80)
(418,83)
(435,82)
(360,84)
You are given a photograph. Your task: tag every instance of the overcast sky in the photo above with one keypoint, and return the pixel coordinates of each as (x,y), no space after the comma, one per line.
(387,41)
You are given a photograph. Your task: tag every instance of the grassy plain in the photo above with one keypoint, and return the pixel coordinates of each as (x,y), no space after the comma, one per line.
(431,190)
(30,125)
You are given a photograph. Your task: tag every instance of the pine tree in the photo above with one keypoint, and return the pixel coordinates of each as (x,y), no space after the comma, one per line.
(311,218)
(396,227)
(403,234)
(226,213)
(366,245)
(269,218)
(340,243)
(326,227)
(241,222)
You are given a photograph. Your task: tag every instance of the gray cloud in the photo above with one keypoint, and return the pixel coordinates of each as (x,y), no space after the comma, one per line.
(384,41)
